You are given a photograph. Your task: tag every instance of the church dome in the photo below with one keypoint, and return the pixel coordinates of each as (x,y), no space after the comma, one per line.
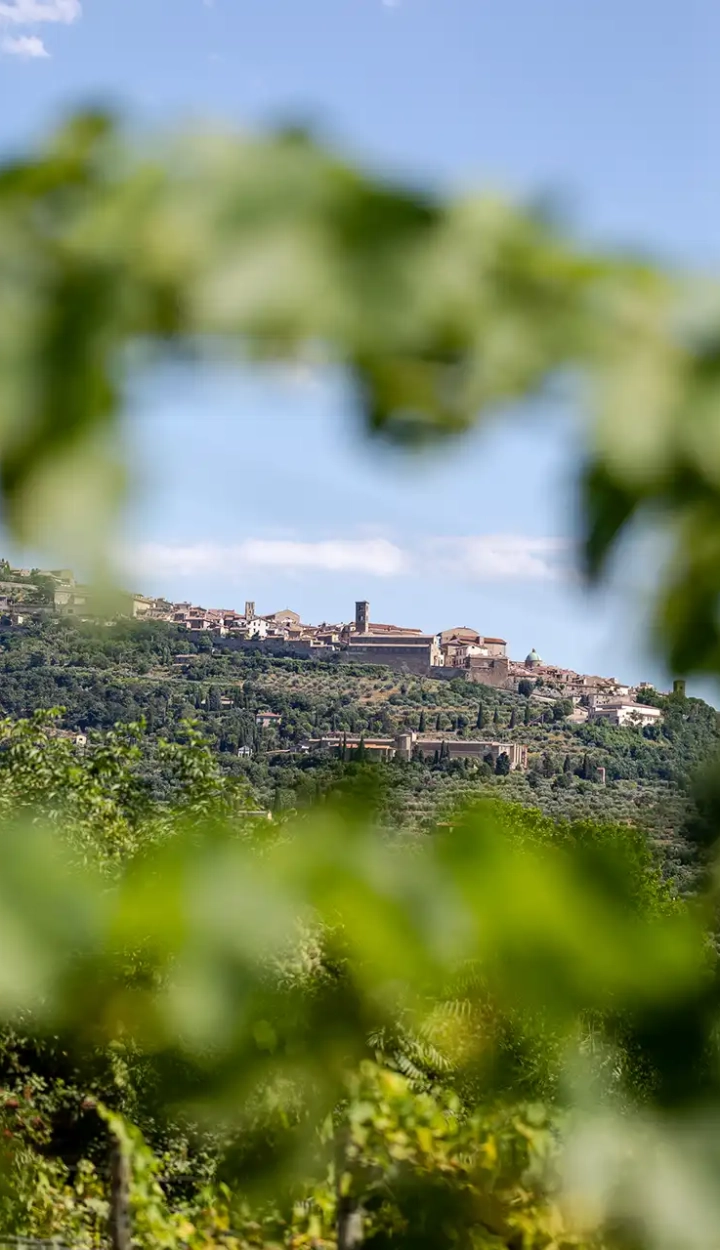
(533,658)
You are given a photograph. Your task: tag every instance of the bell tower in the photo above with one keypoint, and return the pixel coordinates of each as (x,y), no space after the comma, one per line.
(249,610)
(362,617)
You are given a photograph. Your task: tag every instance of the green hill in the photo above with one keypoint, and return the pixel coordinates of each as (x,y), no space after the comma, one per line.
(102,675)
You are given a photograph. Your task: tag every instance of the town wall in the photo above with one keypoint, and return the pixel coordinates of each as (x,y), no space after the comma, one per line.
(261,646)
(446,672)
(484,671)
(410,659)
(489,672)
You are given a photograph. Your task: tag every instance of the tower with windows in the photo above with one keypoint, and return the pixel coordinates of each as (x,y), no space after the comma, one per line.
(362,616)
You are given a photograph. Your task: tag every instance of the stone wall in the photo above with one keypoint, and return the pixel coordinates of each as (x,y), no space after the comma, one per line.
(403,659)
(483,670)
(261,646)
(470,750)
(490,671)
(448,673)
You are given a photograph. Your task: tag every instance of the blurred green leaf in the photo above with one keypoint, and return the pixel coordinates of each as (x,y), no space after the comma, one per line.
(271,247)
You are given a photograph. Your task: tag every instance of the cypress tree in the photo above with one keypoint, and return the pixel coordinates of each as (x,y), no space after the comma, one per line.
(480,723)
(214,703)
(496,717)
(421,722)
(526,718)
(513,720)
(567,766)
(438,722)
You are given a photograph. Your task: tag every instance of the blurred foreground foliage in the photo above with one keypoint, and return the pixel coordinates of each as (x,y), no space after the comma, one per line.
(314,1023)
(487,1037)
(112,253)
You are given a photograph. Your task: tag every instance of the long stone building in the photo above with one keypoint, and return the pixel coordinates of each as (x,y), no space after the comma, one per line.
(410,745)
(426,745)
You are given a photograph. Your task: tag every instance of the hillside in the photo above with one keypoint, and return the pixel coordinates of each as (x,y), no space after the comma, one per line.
(124,672)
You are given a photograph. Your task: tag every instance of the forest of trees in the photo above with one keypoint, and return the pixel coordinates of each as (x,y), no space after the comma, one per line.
(358,1105)
(432,1110)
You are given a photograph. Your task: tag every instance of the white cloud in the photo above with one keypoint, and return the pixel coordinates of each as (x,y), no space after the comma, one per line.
(19,13)
(35,12)
(28,47)
(376,557)
(480,558)
(499,557)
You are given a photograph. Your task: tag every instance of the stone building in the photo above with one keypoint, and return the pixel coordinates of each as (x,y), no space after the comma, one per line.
(285,617)
(405,650)
(622,712)
(427,745)
(411,653)
(493,671)
(376,747)
(72,600)
(143,607)
(461,642)
(406,746)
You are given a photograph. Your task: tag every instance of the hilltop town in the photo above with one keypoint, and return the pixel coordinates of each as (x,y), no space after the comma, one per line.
(458,652)
(286,706)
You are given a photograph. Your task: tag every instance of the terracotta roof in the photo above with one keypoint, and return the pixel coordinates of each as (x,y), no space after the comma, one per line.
(378,641)
(393,629)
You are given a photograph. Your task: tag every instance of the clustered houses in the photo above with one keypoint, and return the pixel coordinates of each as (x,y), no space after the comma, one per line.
(456,653)
(596,698)
(477,657)
(568,683)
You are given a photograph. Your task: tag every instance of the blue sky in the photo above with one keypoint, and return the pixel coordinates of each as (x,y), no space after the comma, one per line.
(260,485)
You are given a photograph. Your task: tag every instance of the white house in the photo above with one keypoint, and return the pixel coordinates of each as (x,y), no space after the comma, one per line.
(256,628)
(623,712)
